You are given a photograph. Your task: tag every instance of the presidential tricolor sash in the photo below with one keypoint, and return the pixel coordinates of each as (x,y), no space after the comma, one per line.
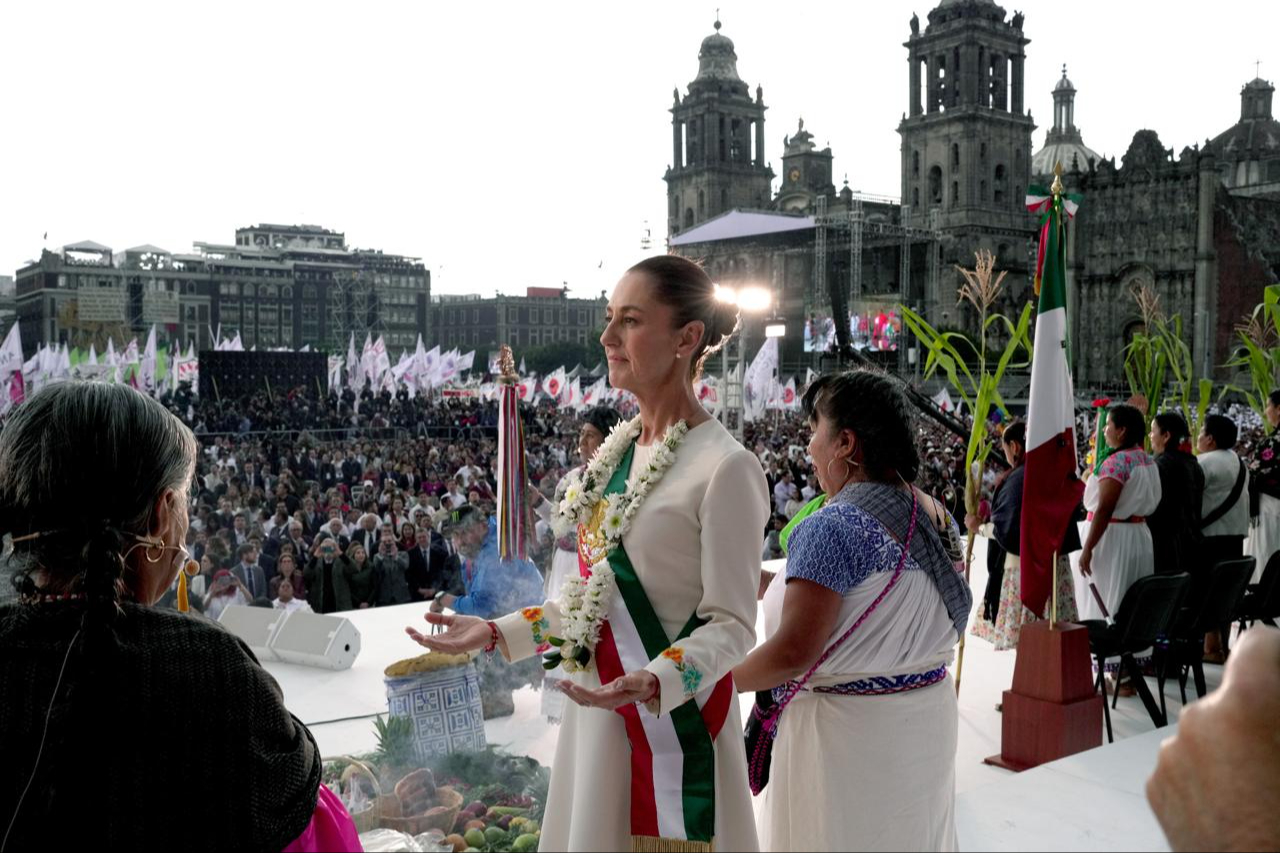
(673,798)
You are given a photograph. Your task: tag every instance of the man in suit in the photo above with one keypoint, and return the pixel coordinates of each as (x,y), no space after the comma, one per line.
(336,530)
(330,471)
(312,520)
(422,582)
(250,573)
(301,544)
(240,528)
(351,470)
(366,533)
(253,479)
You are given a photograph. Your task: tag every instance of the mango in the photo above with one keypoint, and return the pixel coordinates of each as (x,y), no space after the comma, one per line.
(526,843)
(459,843)
(493,835)
(474,838)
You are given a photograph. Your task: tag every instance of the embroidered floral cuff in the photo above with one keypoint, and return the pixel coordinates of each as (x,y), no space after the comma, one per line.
(681,680)
(524,632)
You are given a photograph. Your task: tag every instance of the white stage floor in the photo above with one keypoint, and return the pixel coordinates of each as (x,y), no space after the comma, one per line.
(1092,801)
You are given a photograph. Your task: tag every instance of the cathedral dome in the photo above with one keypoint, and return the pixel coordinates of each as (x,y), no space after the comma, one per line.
(1064,143)
(717,59)
(1248,153)
(1072,154)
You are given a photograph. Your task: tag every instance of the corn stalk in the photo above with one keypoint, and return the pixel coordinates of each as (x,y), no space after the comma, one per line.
(1158,364)
(979,388)
(1260,336)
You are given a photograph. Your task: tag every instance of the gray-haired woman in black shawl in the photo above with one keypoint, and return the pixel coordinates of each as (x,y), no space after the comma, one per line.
(126,726)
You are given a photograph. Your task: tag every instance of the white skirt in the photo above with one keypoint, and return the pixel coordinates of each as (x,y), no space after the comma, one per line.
(864,773)
(1122,556)
(1264,537)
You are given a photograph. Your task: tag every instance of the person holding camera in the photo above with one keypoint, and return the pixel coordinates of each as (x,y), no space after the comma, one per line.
(227,590)
(328,577)
(390,568)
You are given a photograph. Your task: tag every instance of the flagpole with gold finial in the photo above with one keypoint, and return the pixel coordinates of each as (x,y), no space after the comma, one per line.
(1056,189)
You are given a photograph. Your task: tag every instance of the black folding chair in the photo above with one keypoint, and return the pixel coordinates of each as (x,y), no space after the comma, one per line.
(1261,602)
(1145,613)
(1218,605)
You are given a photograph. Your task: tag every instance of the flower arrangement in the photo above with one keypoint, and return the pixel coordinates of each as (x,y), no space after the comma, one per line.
(601,522)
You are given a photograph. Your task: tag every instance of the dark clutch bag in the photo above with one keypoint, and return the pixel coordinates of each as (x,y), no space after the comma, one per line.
(761,728)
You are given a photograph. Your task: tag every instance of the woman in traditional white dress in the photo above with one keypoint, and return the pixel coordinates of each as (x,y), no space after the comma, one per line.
(873,605)
(650,755)
(1264,531)
(596,426)
(1119,497)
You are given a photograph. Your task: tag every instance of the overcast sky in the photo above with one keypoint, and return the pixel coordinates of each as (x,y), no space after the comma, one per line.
(509,144)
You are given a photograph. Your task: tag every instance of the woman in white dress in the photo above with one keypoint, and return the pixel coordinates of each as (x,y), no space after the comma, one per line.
(1117,542)
(596,426)
(1264,531)
(650,754)
(865,753)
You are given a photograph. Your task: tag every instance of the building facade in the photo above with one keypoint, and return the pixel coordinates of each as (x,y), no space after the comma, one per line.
(276,286)
(718,161)
(544,315)
(1202,229)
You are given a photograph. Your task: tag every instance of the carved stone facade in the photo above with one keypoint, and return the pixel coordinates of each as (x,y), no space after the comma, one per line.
(1170,224)
(1202,229)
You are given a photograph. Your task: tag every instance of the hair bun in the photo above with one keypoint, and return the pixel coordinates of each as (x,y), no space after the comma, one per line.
(725,321)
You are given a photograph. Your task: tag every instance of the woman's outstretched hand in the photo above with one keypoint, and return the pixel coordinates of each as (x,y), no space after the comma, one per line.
(629,689)
(463,634)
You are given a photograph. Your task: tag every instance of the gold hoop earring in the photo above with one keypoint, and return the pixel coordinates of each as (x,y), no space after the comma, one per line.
(147,551)
(848,471)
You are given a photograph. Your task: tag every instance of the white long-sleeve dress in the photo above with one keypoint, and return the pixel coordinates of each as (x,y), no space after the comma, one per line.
(694,545)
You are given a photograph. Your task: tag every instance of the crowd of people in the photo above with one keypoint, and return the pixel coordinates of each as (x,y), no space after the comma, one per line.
(397,506)
(297,486)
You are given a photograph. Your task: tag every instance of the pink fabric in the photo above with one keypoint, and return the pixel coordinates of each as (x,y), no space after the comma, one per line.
(331,828)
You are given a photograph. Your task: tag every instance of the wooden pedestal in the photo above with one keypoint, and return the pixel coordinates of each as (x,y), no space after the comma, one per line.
(1053,709)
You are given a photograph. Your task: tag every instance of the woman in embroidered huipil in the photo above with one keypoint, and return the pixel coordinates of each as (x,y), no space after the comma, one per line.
(650,751)
(865,754)
(1117,542)
(1264,532)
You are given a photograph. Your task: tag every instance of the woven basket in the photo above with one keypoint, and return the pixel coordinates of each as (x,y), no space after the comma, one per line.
(370,818)
(446,797)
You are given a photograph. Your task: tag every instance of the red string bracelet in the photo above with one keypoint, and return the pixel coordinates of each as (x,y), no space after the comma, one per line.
(657,690)
(493,637)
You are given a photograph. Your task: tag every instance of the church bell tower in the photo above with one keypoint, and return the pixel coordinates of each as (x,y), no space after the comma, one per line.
(718,161)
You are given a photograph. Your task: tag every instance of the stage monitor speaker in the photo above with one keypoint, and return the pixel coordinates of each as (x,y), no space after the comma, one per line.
(311,639)
(257,626)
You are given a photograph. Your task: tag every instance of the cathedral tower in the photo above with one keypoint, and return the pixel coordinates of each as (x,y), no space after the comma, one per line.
(717,142)
(966,139)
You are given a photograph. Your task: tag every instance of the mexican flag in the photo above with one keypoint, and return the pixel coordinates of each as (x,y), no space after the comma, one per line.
(1051,488)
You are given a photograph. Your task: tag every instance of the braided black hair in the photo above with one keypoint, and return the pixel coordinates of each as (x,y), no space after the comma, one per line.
(78,438)
(870,404)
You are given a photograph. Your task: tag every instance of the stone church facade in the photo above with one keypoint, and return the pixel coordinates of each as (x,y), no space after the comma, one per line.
(1203,229)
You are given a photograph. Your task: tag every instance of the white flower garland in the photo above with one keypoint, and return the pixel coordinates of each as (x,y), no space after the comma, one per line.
(584,605)
(584,602)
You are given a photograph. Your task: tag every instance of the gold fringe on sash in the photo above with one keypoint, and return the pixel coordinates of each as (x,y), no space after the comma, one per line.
(656,844)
